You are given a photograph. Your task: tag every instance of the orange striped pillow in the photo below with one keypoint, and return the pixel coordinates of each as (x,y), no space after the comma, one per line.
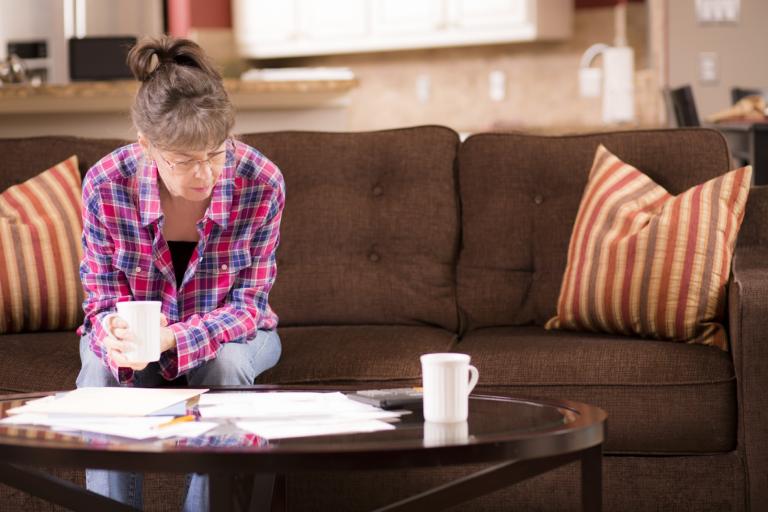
(40,230)
(644,262)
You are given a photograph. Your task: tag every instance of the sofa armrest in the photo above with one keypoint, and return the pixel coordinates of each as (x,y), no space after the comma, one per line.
(748,325)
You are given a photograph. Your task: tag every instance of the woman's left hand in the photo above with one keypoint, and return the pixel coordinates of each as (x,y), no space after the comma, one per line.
(167,338)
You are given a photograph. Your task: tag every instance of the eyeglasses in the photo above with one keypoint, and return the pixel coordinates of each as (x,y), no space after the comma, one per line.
(215,163)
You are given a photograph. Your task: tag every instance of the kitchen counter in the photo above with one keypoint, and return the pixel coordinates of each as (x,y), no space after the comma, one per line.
(117,96)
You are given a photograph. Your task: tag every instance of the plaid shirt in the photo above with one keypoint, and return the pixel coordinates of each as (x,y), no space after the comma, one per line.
(223,297)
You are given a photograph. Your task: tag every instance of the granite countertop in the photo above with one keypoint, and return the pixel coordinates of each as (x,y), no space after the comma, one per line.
(116,96)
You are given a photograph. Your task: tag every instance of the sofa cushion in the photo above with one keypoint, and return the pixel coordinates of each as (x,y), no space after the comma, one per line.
(519,197)
(660,397)
(370,229)
(25,157)
(40,229)
(41,361)
(354,354)
(643,262)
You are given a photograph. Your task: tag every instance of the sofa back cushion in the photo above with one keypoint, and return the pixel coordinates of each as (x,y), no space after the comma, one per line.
(23,158)
(519,197)
(370,230)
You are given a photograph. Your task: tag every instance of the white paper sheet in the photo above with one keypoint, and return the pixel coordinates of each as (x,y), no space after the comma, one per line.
(287,405)
(285,430)
(140,427)
(108,401)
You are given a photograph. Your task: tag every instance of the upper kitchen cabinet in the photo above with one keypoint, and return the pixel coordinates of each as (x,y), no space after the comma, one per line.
(292,28)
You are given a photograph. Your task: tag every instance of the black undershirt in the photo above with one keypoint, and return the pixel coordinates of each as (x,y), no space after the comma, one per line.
(181,252)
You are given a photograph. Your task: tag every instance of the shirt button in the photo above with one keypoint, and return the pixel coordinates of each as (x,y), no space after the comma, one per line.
(138,269)
(538,199)
(374,257)
(224,267)
(377,191)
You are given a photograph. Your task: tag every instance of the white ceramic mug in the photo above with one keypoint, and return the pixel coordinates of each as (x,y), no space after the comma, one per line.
(448,381)
(143,319)
(442,434)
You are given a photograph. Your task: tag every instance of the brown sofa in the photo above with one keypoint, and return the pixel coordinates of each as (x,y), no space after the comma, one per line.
(401,242)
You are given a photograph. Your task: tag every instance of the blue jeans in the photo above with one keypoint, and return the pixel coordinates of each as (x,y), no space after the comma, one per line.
(235,364)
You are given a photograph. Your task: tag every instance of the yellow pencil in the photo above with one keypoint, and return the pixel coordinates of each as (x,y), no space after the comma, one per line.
(174,421)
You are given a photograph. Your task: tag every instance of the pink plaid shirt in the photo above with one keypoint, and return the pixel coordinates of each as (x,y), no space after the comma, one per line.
(224,295)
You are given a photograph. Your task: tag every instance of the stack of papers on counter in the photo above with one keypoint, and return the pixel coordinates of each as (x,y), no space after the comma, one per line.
(298,74)
(282,415)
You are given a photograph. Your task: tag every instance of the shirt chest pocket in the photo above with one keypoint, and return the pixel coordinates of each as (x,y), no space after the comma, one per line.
(224,263)
(138,270)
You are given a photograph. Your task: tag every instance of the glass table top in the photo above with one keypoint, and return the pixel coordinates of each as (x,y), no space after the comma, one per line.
(491,419)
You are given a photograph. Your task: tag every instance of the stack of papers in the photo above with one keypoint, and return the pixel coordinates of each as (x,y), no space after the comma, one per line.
(123,412)
(283,415)
(132,428)
(108,401)
(141,413)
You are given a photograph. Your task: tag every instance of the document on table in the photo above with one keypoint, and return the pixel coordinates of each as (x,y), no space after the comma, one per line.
(108,401)
(288,429)
(139,427)
(278,415)
(272,406)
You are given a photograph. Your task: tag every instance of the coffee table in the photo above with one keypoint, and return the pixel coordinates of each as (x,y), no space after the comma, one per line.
(520,438)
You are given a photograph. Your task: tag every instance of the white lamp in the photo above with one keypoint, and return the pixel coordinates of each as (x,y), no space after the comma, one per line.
(616,78)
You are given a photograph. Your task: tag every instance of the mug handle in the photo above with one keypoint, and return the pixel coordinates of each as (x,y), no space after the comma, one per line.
(474,376)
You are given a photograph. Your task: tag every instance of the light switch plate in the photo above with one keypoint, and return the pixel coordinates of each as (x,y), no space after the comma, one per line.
(497,85)
(708,68)
(718,11)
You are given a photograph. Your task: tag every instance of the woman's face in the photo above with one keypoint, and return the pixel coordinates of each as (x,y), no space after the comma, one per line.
(190,174)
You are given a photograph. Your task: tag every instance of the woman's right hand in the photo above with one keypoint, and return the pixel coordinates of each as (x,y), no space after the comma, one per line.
(119,341)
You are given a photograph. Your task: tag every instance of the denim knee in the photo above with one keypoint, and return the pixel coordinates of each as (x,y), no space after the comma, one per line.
(93,371)
(239,363)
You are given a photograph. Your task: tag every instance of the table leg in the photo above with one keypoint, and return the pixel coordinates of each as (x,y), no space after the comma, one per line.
(592,479)
(58,491)
(221,489)
(263,490)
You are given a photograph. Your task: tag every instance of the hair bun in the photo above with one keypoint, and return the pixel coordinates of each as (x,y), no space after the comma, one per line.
(169,51)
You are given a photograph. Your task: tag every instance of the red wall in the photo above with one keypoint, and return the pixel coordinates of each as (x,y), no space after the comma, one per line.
(186,14)
(601,3)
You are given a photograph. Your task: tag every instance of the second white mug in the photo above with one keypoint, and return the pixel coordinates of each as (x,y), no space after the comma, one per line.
(448,379)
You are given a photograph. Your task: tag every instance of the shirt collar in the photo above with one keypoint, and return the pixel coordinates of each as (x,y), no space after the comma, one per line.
(221,197)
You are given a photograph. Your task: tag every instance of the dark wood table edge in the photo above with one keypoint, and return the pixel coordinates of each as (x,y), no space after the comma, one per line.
(587,440)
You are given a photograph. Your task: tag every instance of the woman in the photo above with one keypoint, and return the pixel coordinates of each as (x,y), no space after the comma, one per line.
(187,216)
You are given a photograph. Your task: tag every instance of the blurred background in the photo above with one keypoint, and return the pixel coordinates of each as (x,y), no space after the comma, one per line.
(542,66)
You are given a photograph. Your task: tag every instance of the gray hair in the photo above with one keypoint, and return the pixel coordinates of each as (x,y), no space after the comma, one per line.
(181,102)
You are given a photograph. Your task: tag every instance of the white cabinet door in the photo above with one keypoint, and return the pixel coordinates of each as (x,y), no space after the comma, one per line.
(488,13)
(332,19)
(407,16)
(264,21)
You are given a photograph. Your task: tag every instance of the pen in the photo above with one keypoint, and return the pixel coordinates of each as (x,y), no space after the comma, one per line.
(174,421)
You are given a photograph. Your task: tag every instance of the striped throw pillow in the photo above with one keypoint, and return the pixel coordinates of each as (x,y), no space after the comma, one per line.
(40,229)
(644,262)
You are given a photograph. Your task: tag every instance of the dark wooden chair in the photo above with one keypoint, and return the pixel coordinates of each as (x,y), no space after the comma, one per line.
(681,106)
(738,93)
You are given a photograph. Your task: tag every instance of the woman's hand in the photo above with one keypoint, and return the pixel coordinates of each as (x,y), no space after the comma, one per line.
(167,338)
(120,341)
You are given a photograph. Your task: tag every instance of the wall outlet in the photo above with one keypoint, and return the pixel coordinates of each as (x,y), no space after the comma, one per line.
(708,68)
(423,87)
(497,85)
